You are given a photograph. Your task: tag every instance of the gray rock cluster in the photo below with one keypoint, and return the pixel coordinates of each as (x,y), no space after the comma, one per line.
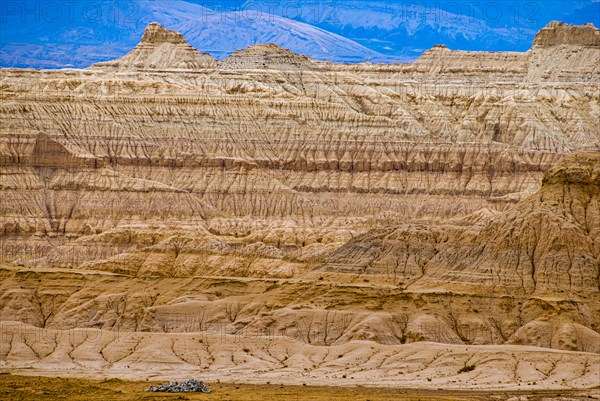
(190,386)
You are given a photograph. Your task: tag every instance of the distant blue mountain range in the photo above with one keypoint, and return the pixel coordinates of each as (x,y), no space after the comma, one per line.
(40,34)
(407,28)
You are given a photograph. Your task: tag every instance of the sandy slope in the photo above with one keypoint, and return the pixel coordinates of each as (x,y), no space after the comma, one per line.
(245,358)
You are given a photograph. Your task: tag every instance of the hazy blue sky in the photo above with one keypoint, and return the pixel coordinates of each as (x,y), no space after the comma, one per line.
(61,33)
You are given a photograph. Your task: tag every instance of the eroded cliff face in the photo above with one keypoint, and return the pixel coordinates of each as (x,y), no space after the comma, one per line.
(547,244)
(430,201)
(161,49)
(558,33)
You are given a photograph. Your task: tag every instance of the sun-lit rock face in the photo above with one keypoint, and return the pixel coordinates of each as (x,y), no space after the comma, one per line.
(267,57)
(161,49)
(156,34)
(558,33)
(454,199)
(549,243)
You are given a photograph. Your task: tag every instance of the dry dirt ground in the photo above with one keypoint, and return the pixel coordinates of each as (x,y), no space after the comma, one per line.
(13,387)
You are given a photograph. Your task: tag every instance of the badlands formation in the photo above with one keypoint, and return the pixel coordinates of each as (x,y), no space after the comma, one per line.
(273,218)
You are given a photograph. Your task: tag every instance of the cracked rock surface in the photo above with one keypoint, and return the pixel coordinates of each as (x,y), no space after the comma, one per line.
(274,218)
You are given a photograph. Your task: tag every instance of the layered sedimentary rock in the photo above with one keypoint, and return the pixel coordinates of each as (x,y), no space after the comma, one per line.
(162,49)
(547,243)
(558,33)
(270,57)
(230,358)
(454,199)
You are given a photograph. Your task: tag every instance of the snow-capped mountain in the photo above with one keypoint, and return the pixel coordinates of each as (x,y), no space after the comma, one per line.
(406,28)
(104,33)
(78,34)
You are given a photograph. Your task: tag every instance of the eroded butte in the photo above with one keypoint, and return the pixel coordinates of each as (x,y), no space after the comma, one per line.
(271,217)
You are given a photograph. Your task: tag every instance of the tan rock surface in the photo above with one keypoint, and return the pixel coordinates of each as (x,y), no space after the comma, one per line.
(355,210)
(161,49)
(224,357)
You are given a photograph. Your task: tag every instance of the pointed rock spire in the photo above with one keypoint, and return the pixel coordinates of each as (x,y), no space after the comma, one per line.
(162,49)
(156,33)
